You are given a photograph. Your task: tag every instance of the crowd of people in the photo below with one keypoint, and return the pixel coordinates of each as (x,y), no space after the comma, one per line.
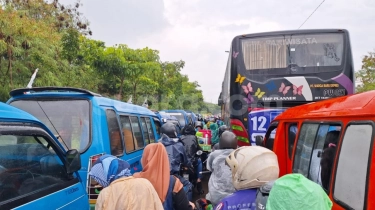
(241,177)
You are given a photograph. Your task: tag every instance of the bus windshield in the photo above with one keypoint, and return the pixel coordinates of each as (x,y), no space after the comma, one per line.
(308,50)
(68,119)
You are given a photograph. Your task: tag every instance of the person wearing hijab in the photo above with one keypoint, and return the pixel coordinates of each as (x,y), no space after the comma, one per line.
(121,191)
(215,133)
(156,169)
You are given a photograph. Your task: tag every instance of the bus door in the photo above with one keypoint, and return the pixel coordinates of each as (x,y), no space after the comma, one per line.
(314,139)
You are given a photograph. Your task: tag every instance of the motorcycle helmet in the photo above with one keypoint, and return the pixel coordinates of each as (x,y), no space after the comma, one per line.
(222,129)
(228,140)
(252,166)
(169,129)
(198,124)
(216,147)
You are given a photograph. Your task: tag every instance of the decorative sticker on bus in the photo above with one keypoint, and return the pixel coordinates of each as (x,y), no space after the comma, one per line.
(260,121)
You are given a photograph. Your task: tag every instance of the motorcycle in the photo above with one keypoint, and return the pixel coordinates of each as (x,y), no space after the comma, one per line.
(189,173)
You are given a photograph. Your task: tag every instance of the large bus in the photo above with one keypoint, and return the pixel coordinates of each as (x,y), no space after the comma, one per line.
(269,72)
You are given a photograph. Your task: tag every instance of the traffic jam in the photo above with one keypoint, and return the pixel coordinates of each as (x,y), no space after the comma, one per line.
(287,137)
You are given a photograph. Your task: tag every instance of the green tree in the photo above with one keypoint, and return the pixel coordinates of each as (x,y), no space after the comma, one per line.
(367,73)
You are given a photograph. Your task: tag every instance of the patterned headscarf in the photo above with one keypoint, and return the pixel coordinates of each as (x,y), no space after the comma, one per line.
(109,168)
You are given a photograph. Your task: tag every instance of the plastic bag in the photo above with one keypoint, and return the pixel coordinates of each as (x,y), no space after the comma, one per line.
(294,191)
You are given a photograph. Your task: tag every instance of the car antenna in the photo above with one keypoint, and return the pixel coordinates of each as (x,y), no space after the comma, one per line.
(58,135)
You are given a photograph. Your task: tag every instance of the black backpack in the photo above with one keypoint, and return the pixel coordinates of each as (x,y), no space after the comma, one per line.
(262,195)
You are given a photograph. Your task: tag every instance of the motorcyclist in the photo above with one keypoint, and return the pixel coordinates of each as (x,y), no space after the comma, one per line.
(176,154)
(220,184)
(222,129)
(252,167)
(198,125)
(191,147)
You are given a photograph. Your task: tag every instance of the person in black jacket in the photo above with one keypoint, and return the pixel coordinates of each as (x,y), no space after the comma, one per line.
(191,147)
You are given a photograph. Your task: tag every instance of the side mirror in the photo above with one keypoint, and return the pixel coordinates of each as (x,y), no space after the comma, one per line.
(259,140)
(220,102)
(73,161)
(199,152)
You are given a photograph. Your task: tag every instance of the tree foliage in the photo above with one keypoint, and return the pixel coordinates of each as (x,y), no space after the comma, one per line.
(53,37)
(367,74)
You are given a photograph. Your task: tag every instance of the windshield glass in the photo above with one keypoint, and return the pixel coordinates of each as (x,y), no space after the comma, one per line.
(180,117)
(70,119)
(308,50)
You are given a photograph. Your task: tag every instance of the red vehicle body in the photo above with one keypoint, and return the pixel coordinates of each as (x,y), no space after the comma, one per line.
(343,125)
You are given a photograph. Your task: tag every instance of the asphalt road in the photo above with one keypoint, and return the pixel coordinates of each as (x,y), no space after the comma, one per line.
(205,179)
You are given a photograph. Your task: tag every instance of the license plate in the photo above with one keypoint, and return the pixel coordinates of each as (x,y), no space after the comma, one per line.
(186,176)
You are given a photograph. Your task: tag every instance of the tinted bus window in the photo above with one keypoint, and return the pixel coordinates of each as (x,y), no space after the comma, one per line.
(303,50)
(149,129)
(73,126)
(145,131)
(128,134)
(114,133)
(137,132)
(351,174)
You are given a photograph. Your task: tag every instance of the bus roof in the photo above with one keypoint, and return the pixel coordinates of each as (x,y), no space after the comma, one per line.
(11,112)
(304,31)
(78,92)
(351,105)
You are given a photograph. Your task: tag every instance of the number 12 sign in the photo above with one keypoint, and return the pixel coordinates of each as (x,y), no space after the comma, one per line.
(259,122)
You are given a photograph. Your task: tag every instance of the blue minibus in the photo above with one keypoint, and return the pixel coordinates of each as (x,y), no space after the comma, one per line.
(183,117)
(36,172)
(92,124)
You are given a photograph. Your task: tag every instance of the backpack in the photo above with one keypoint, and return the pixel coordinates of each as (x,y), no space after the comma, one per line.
(188,186)
(191,145)
(174,156)
(168,203)
(262,195)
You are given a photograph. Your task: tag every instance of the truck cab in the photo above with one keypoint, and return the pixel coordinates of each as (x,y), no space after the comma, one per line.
(35,170)
(331,142)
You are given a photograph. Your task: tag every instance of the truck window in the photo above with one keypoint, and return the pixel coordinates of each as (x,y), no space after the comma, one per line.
(145,130)
(157,126)
(115,138)
(128,134)
(149,129)
(28,167)
(315,152)
(69,118)
(137,132)
(351,174)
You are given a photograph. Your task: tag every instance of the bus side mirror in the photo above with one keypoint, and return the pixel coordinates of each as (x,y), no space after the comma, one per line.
(259,140)
(220,102)
(73,161)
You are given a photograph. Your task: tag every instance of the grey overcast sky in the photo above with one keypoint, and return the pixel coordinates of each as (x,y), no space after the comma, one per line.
(200,31)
